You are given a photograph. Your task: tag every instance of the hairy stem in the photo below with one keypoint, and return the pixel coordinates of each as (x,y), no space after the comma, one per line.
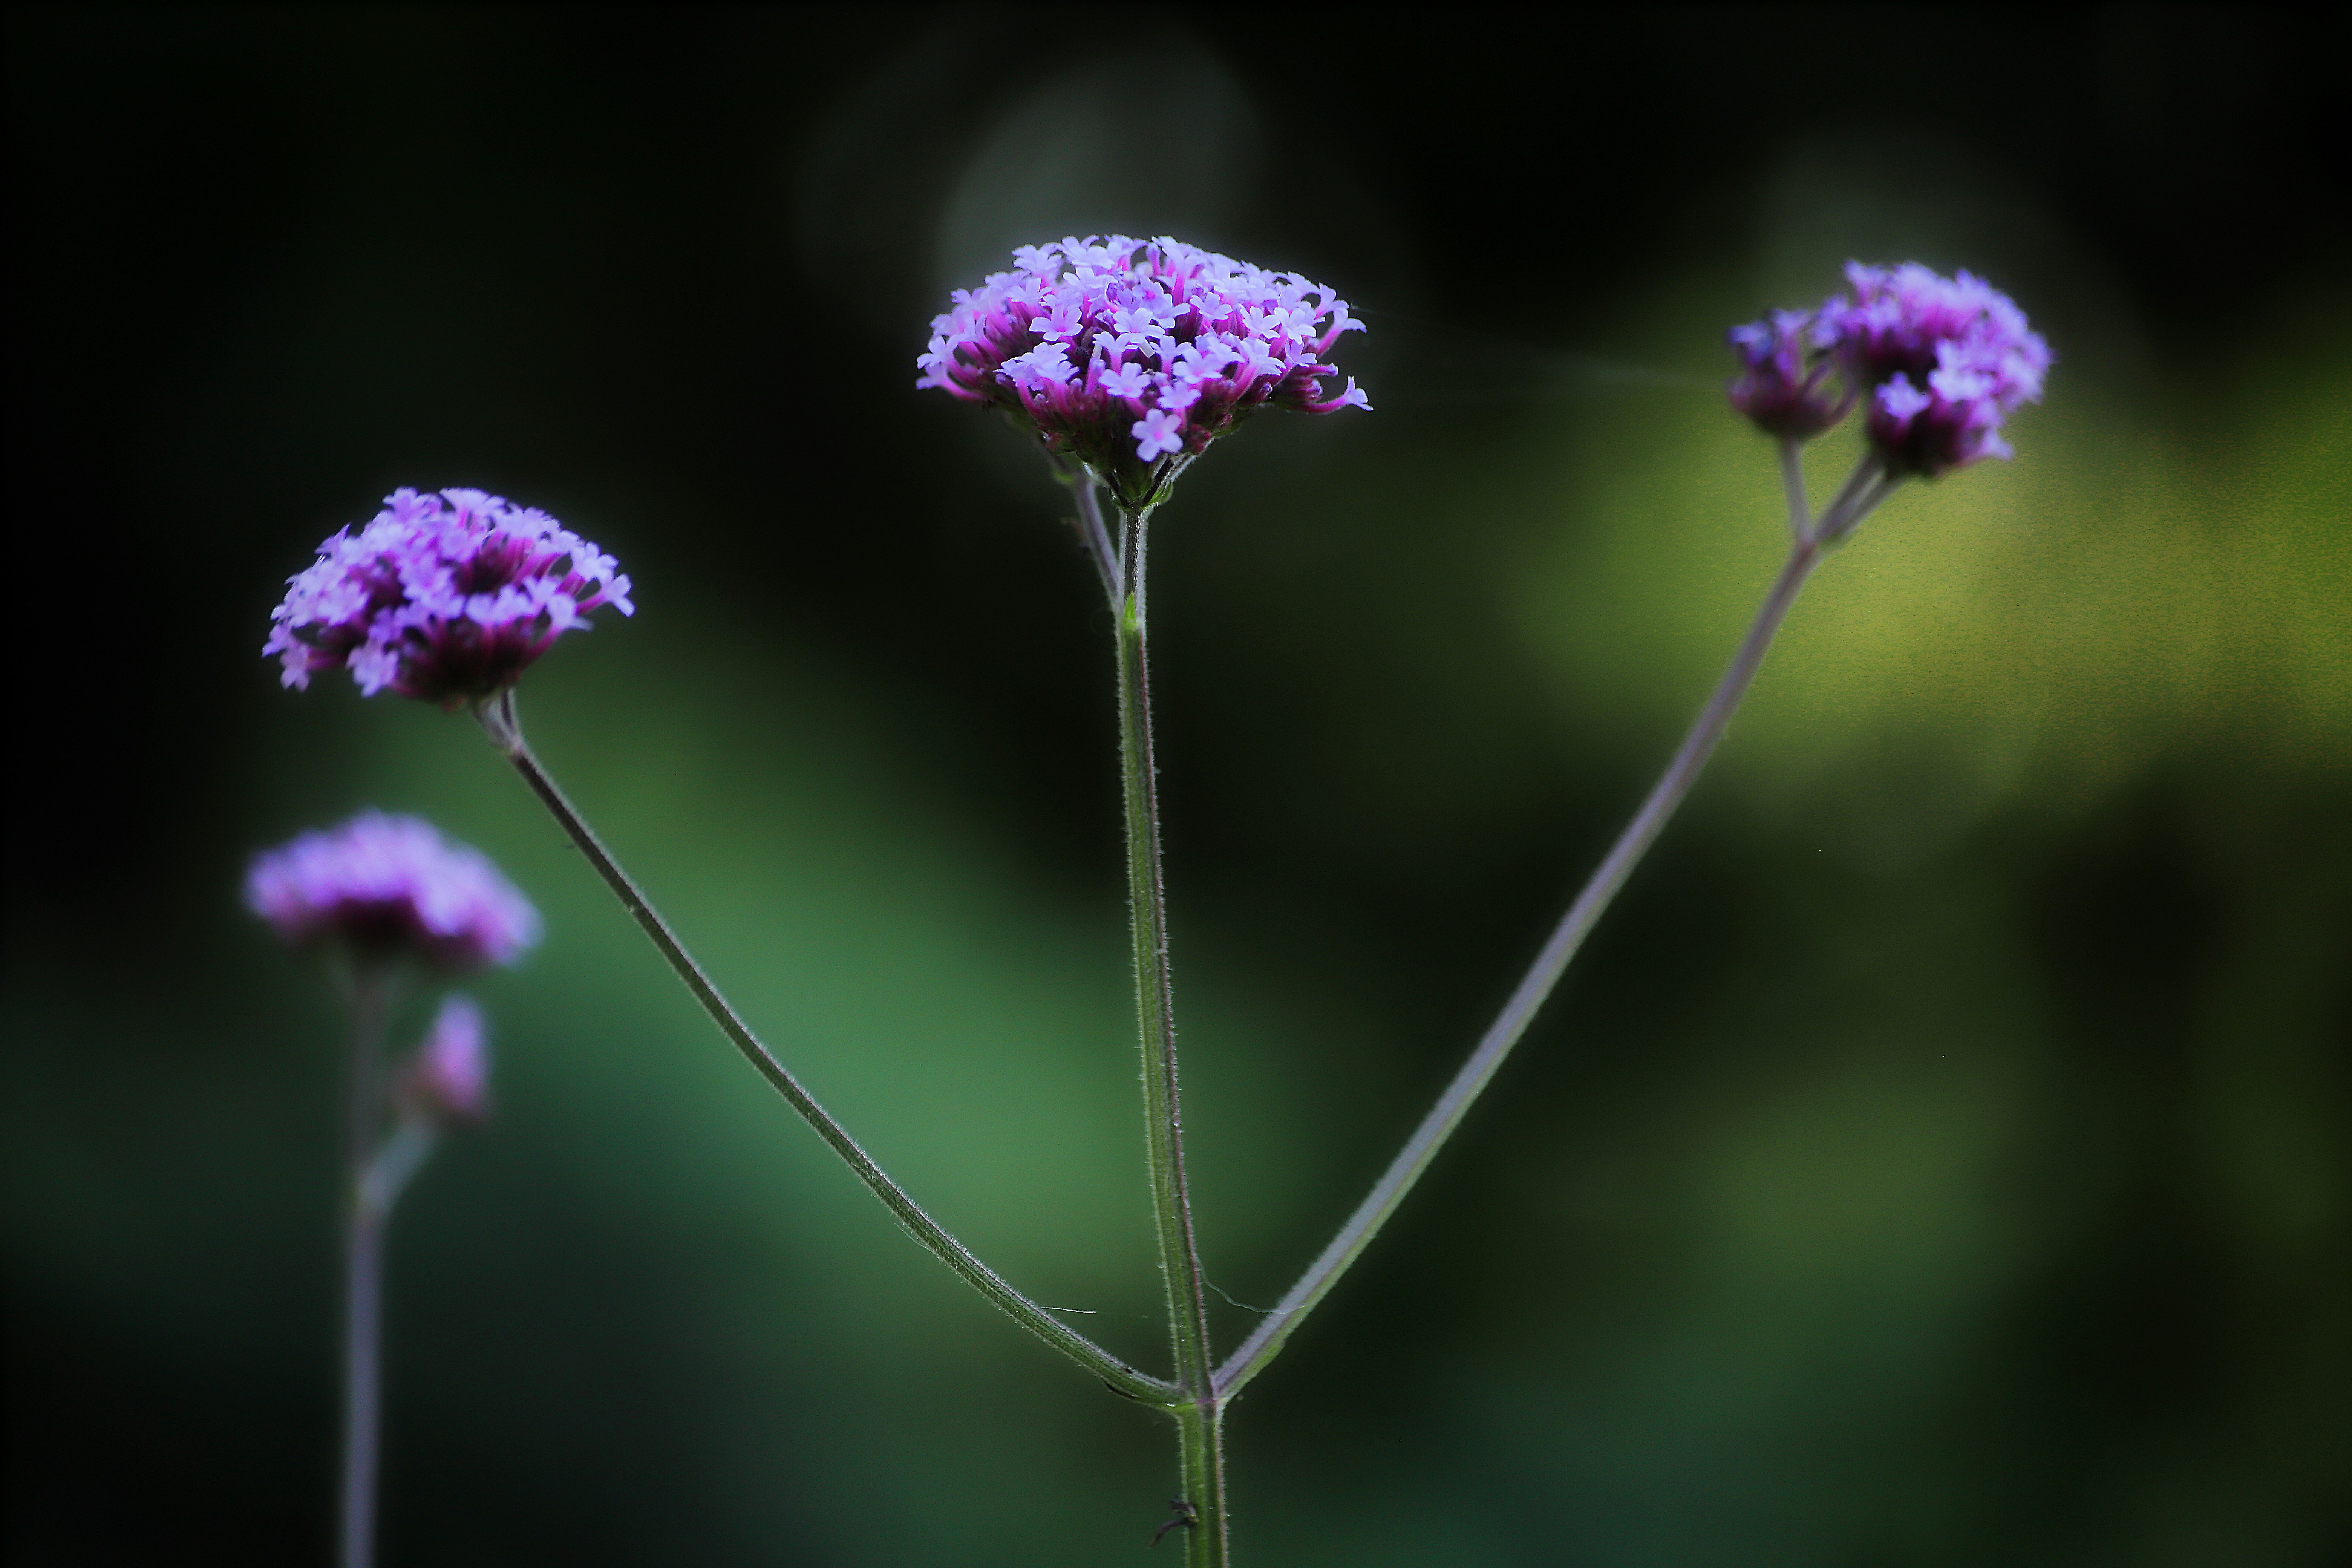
(1200,1457)
(1862,492)
(498,719)
(1200,1429)
(1108,554)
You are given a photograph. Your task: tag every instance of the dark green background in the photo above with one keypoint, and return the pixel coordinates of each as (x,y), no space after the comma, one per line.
(1942,1155)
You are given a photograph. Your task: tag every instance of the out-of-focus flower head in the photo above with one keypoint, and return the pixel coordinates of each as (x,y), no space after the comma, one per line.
(1942,362)
(445,596)
(1785,383)
(1132,356)
(389,886)
(449,1078)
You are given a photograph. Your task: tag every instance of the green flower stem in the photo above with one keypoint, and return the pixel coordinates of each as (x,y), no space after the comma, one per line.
(1862,492)
(1200,1452)
(1200,1428)
(364,1225)
(498,719)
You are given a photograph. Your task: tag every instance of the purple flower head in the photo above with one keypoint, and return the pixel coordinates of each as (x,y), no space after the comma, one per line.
(1784,382)
(1132,356)
(445,596)
(385,887)
(449,1079)
(1942,362)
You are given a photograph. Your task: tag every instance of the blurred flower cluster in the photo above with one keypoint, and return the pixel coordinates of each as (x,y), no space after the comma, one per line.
(386,887)
(1940,361)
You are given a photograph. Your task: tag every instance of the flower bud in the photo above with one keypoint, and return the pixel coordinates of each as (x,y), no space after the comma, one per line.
(1786,383)
(448,1080)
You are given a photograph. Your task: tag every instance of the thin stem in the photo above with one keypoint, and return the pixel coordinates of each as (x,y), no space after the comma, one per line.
(1088,524)
(1792,486)
(498,719)
(1863,490)
(1866,489)
(1099,541)
(400,1157)
(1179,1256)
(364,1224)
(1443,1117)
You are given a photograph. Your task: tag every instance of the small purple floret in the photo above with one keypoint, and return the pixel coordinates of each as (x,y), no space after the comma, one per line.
(443,596)
(1129,355)
(388,887)
(450,1078)
(1785,383)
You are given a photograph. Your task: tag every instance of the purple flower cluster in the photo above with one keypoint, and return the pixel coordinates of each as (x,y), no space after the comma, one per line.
(1940,361)
(1128,354)
(392,887)
(1946,358)
(450,1078)
(445,596)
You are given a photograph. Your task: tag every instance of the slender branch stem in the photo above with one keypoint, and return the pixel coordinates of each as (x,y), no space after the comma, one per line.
(498,718)
(1100,548)
(364,1225)
(1107,554)
(1869,485)
(1857,498)
(1180,1256)
(1792,486)
(399,1158)
(1866,487)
